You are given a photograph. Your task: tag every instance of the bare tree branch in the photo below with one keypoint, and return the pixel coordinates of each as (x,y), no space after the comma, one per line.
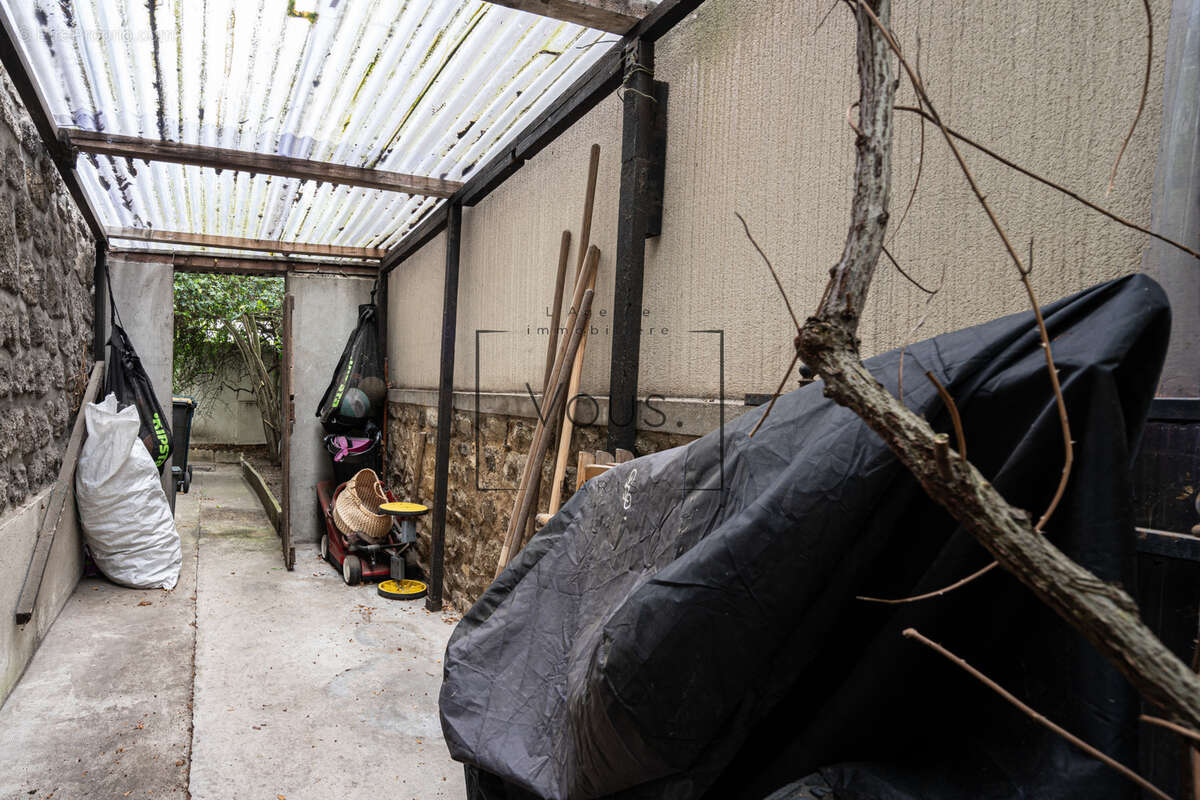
(1055,186)
(952,407)
(907,277)
(1059,400)
(1187,733)
(929,595)
(771,268)
(1104,614)
(774,397)
(913,634)
(1112,178)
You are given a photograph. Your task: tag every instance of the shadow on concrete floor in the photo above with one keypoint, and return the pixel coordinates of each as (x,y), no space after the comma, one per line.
(245,681)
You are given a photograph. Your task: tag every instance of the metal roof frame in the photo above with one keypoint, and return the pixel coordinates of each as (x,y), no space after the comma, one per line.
(603,77)
(103,143)
(84,75)
(19,73)
(601,80)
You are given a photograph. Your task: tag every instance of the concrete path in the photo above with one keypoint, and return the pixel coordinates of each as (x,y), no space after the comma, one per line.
(103,710)
(304,688)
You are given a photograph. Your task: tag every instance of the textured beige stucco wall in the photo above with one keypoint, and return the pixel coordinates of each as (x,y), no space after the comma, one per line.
(758,125)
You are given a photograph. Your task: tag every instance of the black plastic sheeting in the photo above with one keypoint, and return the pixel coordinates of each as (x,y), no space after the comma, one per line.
(662,638)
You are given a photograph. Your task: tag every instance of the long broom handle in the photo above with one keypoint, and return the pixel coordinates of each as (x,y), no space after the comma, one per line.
(568,424)
(589,202)
(564,253)
(585,230)
(593,256)
(530,499)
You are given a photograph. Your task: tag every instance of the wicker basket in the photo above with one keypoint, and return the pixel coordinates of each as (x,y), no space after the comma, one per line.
(357,507)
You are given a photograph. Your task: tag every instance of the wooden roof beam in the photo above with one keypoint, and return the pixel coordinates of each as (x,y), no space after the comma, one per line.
(237,243)
(109,144)
(186,261)
(614,16)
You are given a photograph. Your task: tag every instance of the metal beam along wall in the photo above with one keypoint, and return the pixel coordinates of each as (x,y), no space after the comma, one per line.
(638,168)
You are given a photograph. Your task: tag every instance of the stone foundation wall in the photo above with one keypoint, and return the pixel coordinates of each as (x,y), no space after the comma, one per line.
(476,520)
(47,255)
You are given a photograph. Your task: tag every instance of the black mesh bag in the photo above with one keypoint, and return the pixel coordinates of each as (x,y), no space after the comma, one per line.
(127,379)
(357,393)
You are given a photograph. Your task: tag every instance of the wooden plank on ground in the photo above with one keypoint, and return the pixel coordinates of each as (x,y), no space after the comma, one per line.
(101,143)
(56,505)
(270,505)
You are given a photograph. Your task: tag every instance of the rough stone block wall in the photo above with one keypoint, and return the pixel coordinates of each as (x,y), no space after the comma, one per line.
(476,520)
(47,256)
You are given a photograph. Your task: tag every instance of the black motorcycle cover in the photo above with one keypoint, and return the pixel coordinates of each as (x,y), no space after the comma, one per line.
(357,391)
(127,379)
(688,627)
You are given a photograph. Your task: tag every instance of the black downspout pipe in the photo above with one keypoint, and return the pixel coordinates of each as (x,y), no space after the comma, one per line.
(100,301)
(445,419)
(633,220)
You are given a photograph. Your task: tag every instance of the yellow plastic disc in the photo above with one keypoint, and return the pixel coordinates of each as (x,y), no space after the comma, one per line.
(403,509)
(402,590)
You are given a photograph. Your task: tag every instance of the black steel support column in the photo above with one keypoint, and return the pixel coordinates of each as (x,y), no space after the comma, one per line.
(381,329)
(445,419)
(99,301)
(639,170)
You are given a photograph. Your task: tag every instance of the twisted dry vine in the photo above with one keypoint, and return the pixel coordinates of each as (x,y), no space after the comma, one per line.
(827,343)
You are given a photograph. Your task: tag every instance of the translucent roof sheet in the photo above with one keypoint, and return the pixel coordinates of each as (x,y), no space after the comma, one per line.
(426,87)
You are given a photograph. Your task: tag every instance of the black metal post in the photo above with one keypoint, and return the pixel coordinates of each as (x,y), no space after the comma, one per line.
(638,169)
(380,298)
(445,420)
(99,301)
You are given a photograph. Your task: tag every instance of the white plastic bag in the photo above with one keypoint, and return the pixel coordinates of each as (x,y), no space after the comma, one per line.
(127,521)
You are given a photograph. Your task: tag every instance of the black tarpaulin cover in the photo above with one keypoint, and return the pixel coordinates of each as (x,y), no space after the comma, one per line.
(662,639)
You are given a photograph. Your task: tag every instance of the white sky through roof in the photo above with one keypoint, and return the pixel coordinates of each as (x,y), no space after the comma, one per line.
(426,87)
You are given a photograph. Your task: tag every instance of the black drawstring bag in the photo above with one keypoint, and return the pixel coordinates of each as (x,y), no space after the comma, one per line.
(127,379)
(357,392)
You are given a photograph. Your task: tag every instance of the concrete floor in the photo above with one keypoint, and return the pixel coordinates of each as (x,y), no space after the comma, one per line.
(246,681)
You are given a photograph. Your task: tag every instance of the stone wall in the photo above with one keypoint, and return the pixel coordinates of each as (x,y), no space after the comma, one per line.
(476,520)
(47,256)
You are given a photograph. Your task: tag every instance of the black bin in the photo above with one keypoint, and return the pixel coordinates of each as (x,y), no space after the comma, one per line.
(351,463)
(182,410)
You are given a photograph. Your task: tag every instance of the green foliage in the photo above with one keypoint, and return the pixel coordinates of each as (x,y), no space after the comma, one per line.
(204,348)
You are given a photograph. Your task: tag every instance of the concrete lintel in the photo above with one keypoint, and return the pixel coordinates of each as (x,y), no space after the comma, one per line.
(690,416)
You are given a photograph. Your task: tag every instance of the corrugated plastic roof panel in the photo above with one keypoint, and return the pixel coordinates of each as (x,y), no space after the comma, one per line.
(425,87)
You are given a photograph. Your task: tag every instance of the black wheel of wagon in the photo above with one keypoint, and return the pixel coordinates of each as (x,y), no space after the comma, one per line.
(352,571)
